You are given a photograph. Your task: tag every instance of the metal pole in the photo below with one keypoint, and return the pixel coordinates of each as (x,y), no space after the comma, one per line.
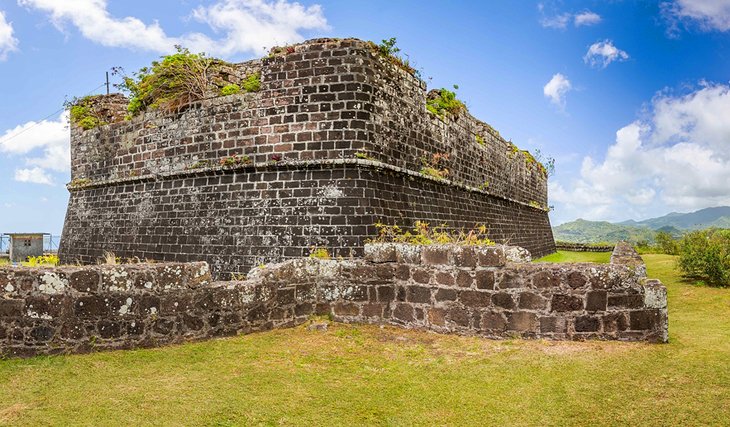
(107,82)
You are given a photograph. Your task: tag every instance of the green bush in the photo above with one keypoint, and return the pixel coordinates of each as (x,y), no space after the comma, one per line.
(666,243)
(231,89)
(705,254)
(82,113)
(180,79)
(252,83)
(442,102)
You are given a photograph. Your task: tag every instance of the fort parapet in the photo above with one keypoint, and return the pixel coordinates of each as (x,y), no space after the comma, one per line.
(335,141)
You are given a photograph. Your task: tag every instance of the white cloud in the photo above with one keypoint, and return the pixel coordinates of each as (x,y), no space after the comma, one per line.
(8,43)
(677,158)
(253,25)
(561,21)
(44,145)
(35,176)
(556,89)
(602,53)
(586,18)
(708,14)
(558,21)
(246,25)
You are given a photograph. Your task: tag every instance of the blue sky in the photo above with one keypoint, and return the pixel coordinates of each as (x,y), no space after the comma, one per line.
(631,98)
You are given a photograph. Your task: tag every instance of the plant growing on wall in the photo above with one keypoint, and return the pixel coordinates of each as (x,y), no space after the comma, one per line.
(443,103)
(178,80)
(423,234)
(387,49)
(435,166)
(83,114)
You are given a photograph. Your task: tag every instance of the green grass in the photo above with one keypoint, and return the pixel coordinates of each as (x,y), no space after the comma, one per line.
(365,375)
(4,261)
(566,256)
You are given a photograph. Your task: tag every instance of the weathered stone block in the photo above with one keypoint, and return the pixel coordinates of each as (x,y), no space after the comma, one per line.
(587,324)
(532,301)
(386,293)
(91,306)
(42,333)
(626,301)
(421,275)
(615,322)
(445,295)
(490,256)
(402,272)
(552,325)
(437,316)
(576,279)
(85,280)
(596,301)
(459,316)
(546,279)
(493,322)
(464,279)
(475,298)
(561,302)
(445,278)
(373,310)
(485,279)
(435,255)
(403,312)
(346,309)
(510,279)
(380,252)
(522,321)
(462,256)
(504,300)
(644,319)
(418,294)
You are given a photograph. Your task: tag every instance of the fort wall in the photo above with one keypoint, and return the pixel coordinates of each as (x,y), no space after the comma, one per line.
(334,141)
(444,288)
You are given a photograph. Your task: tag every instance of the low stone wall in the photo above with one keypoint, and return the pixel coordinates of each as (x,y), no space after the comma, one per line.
(464,290)
(582,247)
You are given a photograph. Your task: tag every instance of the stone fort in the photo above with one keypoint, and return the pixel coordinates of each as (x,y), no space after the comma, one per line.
(334,141)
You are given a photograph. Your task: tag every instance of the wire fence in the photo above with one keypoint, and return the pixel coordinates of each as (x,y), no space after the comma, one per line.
(50,243)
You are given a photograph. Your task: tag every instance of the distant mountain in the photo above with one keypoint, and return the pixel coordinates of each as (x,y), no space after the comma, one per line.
(703,218)
(582,231)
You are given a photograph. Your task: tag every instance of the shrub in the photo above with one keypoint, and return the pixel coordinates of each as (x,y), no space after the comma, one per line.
(231,89)
(34,261)
(82,113)
(435,166)
(252,83)
(666,243)
(443,102)
(705,254)
(388,50)
(179,79)
(319,253)
(424,234)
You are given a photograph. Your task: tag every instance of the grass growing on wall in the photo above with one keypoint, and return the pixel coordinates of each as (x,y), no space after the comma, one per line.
(365,375)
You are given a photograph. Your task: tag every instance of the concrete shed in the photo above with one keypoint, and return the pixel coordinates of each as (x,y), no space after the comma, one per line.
(23,245)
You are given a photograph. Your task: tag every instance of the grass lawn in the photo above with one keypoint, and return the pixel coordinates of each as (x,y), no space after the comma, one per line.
(566,256)
(366,375)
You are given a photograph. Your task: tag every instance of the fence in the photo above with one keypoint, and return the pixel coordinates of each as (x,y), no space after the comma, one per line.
(50,243)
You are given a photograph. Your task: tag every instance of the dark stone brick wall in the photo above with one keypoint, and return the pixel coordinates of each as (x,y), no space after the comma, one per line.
(150,187)
(238,219)
(448,289)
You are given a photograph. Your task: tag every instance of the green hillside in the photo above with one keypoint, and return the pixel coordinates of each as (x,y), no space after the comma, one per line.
(583,231)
